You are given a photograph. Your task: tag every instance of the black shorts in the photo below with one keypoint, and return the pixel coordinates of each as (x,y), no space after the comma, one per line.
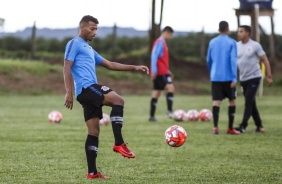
(91,99)
(161,81)
(221,90)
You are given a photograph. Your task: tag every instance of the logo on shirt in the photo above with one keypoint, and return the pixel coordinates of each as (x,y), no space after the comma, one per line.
(249,50)
(105,88)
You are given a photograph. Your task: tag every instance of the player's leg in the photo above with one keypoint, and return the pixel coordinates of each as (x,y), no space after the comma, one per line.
(215,113)
(169,96)
(231,113)
(91,144)
(250,89)
(217,96)
(231,94)
(91,147)
(256,118)
(169,99)
(158,85)
(153,105)
(90,101)
(115,101)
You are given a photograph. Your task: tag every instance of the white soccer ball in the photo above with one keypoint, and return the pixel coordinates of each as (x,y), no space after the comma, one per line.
(192,115)
(205,115)
(179,115)
(175,136)
(105,120)
(55,117)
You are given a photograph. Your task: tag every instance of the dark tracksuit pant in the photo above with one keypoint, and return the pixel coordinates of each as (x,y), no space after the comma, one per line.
(250,88)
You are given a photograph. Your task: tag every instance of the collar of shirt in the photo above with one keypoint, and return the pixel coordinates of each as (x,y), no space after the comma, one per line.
(81,39)
(162,38)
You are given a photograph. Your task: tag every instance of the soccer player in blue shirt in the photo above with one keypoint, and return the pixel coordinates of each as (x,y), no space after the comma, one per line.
(222,64)
(79,67)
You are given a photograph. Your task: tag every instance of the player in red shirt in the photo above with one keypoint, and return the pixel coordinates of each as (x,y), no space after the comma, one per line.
(160,73)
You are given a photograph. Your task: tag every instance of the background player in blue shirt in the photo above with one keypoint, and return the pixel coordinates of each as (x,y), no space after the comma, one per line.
(222,64)
(79,67)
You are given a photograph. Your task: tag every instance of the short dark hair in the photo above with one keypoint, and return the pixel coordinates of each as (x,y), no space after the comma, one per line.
(248,29)
(223,26)
(88,18)
(167,29)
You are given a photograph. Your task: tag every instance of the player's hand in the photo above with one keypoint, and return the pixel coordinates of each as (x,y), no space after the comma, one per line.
(153,76)
(69,101)
(171,75)
(269,81)
(142,68)
(233,85)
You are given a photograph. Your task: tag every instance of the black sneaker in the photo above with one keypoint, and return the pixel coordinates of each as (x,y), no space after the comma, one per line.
(153,119)
(240,129)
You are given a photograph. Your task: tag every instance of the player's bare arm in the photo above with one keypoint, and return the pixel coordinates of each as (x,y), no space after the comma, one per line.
(153,76)
(68,84)
(122,67)
(268,69)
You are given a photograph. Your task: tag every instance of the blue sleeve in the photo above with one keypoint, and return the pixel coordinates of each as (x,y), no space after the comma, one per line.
(156,53)
(234,61)
(98,58)
(71,50)
(209,58)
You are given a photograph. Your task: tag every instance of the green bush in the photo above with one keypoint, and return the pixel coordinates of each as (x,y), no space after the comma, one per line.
(38,68)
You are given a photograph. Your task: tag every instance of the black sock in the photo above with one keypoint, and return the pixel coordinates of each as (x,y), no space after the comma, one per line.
(169,100)
(117,119)
(154,102)
(91,150)
(215,113)
(231,116)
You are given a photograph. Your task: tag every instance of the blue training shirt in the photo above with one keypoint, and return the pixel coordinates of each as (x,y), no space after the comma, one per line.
(85,59)
(222,59)
(157,52)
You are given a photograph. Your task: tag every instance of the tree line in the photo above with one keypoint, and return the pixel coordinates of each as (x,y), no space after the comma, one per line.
(192,47)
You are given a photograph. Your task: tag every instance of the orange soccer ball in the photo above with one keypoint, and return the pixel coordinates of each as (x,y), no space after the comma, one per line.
(205,115)
(192,115)
(175,136)
(179,115)
(55,117)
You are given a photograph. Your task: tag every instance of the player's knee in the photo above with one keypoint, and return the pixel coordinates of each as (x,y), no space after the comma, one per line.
(119,101)
(216,103)
(94,131)
(155,94)
(170,88)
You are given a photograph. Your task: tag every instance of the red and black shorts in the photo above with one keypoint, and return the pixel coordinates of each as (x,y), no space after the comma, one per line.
(91,99)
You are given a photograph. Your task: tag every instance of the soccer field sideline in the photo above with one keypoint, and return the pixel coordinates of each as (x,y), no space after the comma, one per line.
(35,151)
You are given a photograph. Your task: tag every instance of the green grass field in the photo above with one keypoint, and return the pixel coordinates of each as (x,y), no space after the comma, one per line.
(34,151)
